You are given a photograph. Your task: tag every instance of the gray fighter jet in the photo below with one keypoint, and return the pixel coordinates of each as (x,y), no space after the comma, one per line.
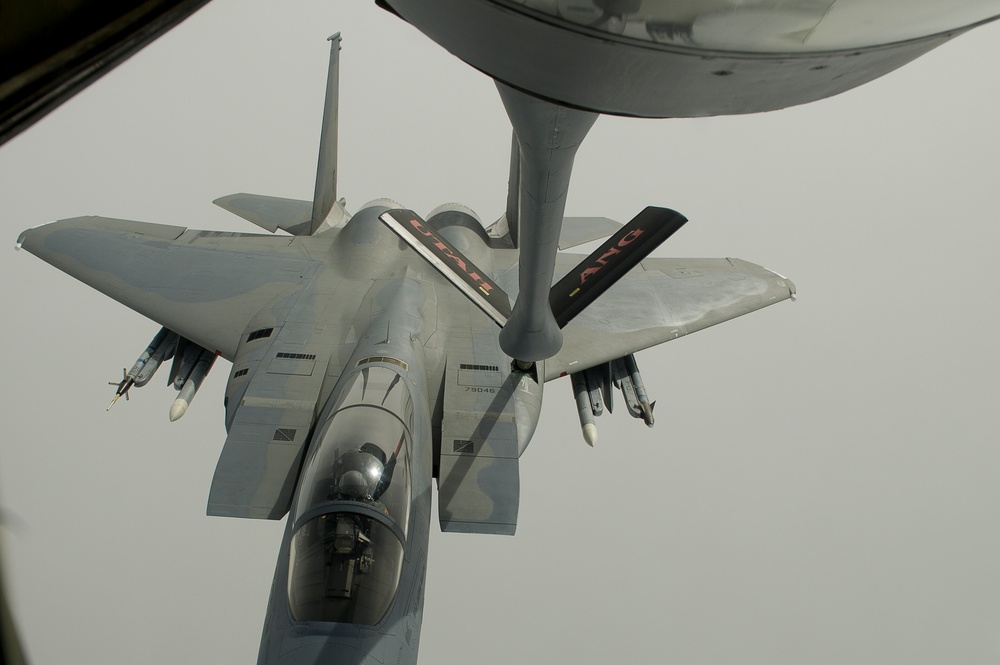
(368,362)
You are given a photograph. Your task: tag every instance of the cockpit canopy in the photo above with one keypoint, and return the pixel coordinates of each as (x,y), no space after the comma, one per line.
(344,568)
(352,512)
(348,468)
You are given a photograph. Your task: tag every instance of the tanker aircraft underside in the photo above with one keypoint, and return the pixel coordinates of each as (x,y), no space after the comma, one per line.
(364,368)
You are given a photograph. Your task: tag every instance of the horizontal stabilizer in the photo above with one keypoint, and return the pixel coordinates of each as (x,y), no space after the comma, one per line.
(270,212)
(456,268)
(609,263)
(579,230)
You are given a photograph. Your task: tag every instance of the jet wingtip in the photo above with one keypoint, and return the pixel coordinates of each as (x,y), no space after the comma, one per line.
(783,282)
(790,285)
(22,238)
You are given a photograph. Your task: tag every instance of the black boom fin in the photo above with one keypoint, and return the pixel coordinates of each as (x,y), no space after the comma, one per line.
(611,261)
(456,268)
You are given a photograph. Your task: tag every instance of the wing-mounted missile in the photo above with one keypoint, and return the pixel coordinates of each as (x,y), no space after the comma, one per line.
(645,406)
(185,357)
(192,382)
(591,384)
(628,380)
(585,408)
(159,349)
(163,353)
(187,372)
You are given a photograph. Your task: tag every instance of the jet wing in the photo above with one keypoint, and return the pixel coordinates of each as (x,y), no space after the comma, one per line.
(658,301)
(203,285)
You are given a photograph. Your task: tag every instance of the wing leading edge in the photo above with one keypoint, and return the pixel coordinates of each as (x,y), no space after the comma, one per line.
(661,300)
(205,286)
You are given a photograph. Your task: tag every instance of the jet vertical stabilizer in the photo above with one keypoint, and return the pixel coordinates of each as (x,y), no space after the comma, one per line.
(325,195)
(292,215)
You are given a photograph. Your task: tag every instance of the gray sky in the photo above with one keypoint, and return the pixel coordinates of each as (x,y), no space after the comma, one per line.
(822,482)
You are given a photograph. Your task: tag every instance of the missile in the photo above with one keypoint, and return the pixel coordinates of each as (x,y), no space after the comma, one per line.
(123,387)
(640,390)
(601,376)
(164,351)
(184,361)
(593,379)
(624,382)
(584,408)
(142,370)
(191,385)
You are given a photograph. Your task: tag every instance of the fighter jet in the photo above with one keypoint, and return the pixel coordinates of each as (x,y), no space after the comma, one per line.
(367,364)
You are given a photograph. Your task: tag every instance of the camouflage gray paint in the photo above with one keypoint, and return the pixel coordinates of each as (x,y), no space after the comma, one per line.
(307,320)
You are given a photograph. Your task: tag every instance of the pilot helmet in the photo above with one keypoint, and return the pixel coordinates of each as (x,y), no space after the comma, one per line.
(357,473)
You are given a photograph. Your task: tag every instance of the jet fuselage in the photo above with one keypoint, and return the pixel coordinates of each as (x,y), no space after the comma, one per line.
(348,585)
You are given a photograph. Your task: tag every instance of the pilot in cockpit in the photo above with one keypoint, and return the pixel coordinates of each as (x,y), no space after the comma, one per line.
(363,474)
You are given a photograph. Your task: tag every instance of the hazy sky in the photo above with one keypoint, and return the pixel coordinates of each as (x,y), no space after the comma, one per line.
(823,481)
